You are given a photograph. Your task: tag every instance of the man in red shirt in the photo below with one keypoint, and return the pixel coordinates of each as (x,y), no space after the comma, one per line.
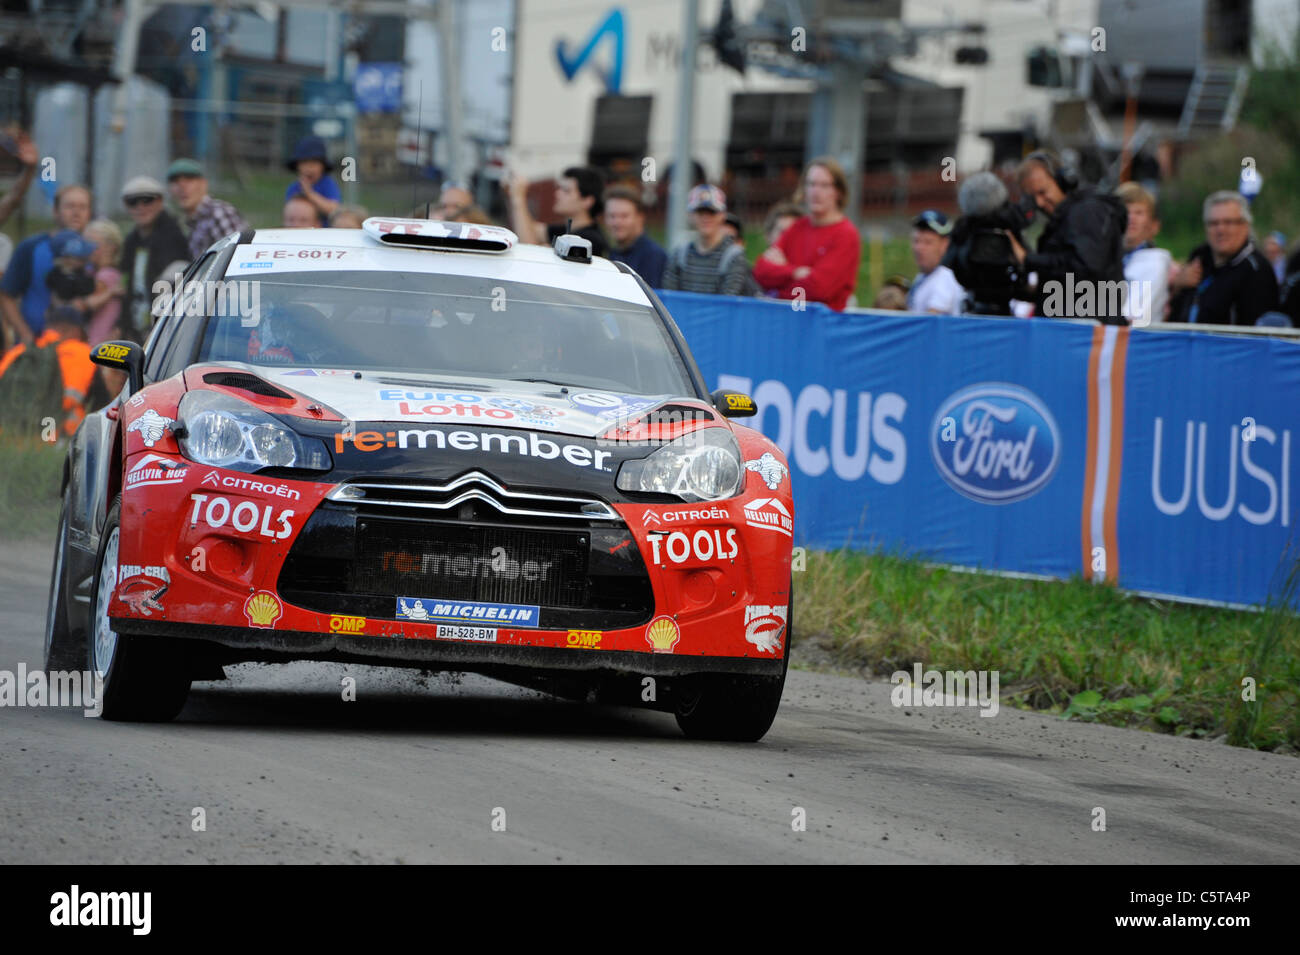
(818,253)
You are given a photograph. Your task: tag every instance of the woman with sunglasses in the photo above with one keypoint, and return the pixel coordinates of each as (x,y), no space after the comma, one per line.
(150,248)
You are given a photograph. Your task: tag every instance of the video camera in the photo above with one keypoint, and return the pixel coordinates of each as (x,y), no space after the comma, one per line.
(979,252)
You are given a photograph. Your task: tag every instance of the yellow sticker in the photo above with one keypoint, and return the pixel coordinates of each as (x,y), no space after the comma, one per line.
(584,638)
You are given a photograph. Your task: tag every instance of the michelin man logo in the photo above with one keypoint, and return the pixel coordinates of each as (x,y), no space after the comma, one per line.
(151,426)
(771,470)
(413,613)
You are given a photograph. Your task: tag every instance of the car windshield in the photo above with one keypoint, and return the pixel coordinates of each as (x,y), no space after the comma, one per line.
(449,325)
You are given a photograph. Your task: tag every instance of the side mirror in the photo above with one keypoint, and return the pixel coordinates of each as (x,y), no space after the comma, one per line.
(733,404)
(122,356)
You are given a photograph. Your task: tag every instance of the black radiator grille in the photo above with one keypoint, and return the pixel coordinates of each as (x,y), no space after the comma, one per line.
(470,562)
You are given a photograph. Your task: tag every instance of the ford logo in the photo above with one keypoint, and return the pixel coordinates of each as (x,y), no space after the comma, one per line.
(995,443)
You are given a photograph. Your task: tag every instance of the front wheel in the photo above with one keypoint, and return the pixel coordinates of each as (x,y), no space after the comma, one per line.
(63,648)
(145,679)
(737,709)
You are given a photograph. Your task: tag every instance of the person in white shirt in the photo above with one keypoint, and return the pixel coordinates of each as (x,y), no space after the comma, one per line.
(1146,268)
(935,288)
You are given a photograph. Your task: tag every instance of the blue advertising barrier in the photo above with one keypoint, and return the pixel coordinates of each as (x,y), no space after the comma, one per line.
(1021,446)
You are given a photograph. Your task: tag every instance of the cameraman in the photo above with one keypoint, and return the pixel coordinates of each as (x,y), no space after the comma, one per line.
(1082,242)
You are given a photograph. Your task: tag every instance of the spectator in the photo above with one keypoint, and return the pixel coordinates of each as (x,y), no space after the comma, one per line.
(732,225)
(711,263)
(348,217)
(734,229)
(625,217)
(62,330)
(1083,239)
(1274,251)
(474,215)
(820,252)
(578,196)
(935,288)
(779,218)
(299,213)
(1226,281)
(24,296)
(105,302)
(314,183)
(155,247)
(1288,297)
(69,279)
(1146,268)
(891,298)
(207,219)
(20,145)
(453,201)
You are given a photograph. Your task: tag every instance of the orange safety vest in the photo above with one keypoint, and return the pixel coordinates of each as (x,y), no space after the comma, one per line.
(77,369)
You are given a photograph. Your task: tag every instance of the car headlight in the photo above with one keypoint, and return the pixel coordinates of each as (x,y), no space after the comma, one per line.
(701,466)
(224,432)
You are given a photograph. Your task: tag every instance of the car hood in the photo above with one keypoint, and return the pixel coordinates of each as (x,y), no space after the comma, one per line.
(420,399)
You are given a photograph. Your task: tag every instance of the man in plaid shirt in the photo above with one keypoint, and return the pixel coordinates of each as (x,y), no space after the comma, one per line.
(207,219)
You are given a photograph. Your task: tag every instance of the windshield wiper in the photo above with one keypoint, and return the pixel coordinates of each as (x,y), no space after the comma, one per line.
(545,381)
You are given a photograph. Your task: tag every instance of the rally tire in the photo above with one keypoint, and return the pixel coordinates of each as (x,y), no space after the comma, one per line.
(64,650)
(145,679)
(733,708)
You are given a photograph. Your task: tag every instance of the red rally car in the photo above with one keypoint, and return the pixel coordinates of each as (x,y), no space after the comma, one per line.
(421,444)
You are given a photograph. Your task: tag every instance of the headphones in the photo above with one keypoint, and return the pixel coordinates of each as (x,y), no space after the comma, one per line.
(1066,177)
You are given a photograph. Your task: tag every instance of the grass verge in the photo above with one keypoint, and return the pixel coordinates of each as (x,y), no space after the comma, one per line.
(30,474)
(1083,651)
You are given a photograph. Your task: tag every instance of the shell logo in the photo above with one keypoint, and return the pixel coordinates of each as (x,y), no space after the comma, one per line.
(662,634)
(263,609)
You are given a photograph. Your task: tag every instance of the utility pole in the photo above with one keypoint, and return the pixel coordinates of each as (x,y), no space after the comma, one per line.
(133,15)
(682,161)
(837,125)
(452,107)
(837,55)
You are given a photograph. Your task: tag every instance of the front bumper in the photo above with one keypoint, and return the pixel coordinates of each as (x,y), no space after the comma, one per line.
(285,645)
(269,565)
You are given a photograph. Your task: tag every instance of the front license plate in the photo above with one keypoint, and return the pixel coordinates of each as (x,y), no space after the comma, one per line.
(481,634)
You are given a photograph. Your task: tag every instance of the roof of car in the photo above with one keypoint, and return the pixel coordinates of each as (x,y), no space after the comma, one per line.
(529,264)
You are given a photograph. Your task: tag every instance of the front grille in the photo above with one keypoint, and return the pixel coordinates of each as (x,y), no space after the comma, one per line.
(471,488)
(466,562)
(473,540)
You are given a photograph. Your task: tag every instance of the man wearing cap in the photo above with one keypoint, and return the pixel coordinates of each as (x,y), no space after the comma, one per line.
(207,219)
(710,263)
(314,182)
(24,296)
(155,243)
(935,288)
